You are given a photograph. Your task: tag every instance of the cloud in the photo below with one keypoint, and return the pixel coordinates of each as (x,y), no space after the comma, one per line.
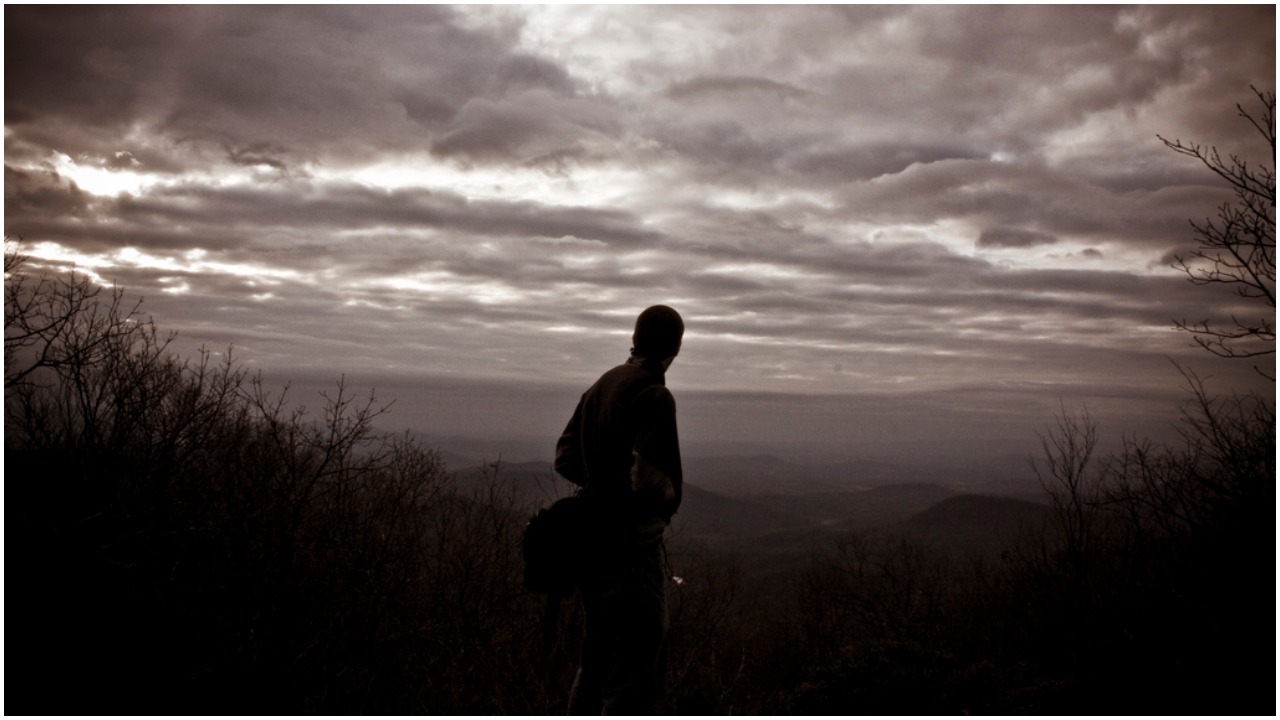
(257,154)
(867,162)
(928,197)
(42,192)
(1011,237)
(526,128)
(310,84)
(90,65)
(715,88)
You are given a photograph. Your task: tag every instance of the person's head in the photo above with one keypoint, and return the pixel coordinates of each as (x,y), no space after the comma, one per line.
(659,330)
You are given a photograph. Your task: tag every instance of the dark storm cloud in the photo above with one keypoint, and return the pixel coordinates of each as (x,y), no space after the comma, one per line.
(42,193)
(90,65)
(277,85)
(403,79)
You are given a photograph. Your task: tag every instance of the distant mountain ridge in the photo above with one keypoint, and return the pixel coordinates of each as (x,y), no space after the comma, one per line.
(861,508)
(767,474)
(774,511)
(707,514)
(975,524)
(744,473)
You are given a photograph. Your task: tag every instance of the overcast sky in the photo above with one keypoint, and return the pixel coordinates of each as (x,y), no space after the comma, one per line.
(878,222)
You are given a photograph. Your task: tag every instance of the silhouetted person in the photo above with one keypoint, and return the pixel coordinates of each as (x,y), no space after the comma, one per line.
(621,448)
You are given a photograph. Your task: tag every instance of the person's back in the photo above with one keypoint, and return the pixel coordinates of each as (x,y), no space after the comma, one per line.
(621,447)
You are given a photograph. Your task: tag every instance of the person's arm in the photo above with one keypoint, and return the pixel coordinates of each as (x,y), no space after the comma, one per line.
(656,475)
(569,451)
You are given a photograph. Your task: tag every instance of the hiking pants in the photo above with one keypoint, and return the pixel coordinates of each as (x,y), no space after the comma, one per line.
(623,654)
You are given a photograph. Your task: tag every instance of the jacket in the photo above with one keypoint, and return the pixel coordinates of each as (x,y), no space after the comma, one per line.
(622,448)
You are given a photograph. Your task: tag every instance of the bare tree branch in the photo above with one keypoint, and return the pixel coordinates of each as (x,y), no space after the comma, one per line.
(1238,248)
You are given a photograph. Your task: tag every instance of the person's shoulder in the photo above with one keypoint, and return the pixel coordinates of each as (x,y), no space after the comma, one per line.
(659,396)
(616,373)
(612,372)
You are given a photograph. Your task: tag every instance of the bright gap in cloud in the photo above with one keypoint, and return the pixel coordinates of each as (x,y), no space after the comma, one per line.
(193,261)
(596,186)
(749,200)
(96,179)
(1078,255)
(444,284)
(97,265)
(761,270)
(56,254)
(174,287)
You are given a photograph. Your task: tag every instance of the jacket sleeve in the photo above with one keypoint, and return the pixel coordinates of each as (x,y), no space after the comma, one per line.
(569,450)
(656,475)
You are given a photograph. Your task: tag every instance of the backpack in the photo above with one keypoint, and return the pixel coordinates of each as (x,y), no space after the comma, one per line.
(555,545)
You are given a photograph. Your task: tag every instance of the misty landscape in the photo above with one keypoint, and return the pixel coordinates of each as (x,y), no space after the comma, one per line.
(976,396)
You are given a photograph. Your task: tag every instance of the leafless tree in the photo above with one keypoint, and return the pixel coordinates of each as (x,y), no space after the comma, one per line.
(58,321)
(1071,482)
(1238,248)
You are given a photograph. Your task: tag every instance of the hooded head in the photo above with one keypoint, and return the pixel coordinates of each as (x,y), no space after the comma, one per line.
(659,330)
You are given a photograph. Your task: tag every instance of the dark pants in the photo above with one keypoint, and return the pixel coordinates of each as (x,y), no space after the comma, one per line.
(623,654)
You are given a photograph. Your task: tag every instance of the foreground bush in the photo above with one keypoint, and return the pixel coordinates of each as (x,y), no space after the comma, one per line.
(185,542)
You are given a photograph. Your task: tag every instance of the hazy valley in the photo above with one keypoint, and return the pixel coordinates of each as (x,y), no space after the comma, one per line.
(769,514)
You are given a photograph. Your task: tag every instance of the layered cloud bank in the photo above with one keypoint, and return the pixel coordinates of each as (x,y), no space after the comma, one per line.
(839,199)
